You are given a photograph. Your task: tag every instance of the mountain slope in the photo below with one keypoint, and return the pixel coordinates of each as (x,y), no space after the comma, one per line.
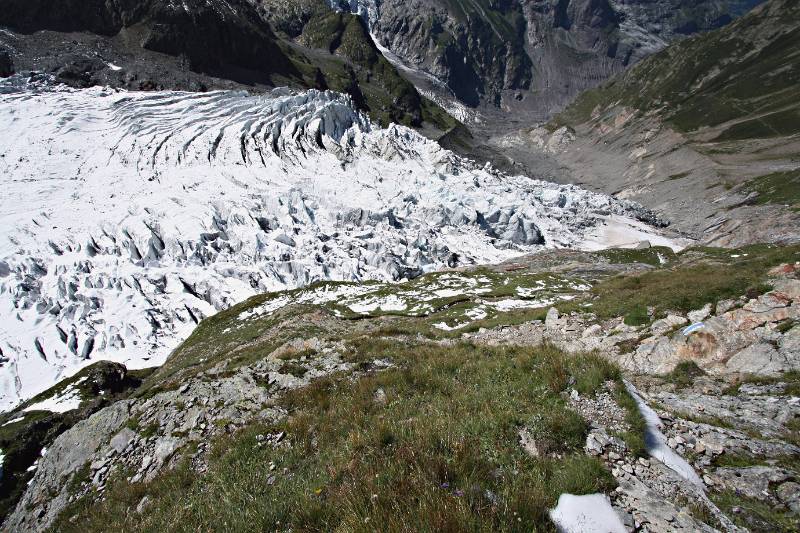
(738,83)
(705,132)
(528,59)
(455,417)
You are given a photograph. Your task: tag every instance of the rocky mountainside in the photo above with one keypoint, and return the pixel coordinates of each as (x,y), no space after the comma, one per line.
(226,306)
(528,59)
(705,132)
(263,408)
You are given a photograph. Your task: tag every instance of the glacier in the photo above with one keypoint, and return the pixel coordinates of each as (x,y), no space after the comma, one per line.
(126,218)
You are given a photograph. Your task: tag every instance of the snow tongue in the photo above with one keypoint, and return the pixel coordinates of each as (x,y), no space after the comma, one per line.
(129,217)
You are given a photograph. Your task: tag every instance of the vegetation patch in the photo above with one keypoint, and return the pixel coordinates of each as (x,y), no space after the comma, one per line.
(777,188)
(702,275)
(437,449)
(684,374)
(755,515)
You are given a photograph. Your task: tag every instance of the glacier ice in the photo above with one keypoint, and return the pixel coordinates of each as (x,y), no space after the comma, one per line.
(128,217)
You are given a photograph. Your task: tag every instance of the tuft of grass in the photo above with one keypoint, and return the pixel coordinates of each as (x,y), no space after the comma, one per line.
(777,188)
(441,453)
(755,515)
(652,256)
(634,437)
(293,368)
(684,374)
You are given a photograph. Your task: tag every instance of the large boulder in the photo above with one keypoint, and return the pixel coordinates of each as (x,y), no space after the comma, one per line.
(6,64)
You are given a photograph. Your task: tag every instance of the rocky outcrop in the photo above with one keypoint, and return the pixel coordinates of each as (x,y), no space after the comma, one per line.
(6,63)
(147,436)
(745,340)
(212,36)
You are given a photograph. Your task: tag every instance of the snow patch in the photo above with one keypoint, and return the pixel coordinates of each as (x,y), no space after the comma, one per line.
(589,513)
(656,442)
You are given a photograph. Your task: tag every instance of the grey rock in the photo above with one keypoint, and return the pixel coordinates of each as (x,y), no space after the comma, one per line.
(121,440)
(700,314)
(760,359)
(723,306)
(753,481)
(44,498)
(789,494)
(143,504)
(664,325)
(528,442)
(551,320)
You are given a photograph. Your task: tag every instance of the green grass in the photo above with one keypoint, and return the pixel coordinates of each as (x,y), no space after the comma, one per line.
(441,453)
(684,374)
(650,256)
(691,283)
(777,188)
(755,515)
(293,368)
(742,461)
(791,379)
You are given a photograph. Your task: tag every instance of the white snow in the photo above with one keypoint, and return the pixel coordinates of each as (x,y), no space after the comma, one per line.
(15,420)
(128,217)
(66,400)
(656,442)
(624,232)
(388,303)
(589,513)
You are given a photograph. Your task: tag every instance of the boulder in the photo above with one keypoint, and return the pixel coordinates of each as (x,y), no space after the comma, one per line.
(121,440)
(723,306)
(700,314)
(6,64)
(789,494)
(752,481)
(551,321)
(664,325)
(760,359)
(788,288)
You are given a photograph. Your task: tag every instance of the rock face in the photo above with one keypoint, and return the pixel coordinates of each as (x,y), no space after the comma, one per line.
(750,339)
(743,340)
(212,36)
(144,435)
(181,212)
(6,64)
(200,45)
(532,57)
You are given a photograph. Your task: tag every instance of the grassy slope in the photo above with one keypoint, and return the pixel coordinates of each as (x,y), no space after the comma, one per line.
(714,78)
(440,452)
(431,443)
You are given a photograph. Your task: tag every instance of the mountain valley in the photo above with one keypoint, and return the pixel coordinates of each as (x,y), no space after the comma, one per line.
(438,265)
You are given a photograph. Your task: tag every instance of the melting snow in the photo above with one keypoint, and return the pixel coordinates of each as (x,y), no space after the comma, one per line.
(656,442)
(15,420)
(590,513)
(66,400)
